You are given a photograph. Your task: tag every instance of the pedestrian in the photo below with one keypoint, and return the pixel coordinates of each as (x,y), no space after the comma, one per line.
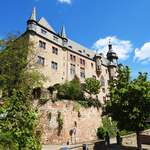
(107,139)
(118,139)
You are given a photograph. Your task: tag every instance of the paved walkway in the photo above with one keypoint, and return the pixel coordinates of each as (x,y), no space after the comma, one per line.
(113,146)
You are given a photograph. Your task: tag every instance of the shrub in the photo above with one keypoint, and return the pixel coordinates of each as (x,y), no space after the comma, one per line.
(70,90)
(108,126)
(60,122)
(101,133)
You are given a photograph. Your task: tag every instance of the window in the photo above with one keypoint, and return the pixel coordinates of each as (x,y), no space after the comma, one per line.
(55,50)
(88,55)
(82,72)
(43,31)
(104,98)
(106,71)
(55,38)
(102,81)
(42,44)
(80,51)
(103,90)
(72,58)
(92,65)
(82,61)
(72,69)
(54,65)
(70,46)
(94,76)
(40,60)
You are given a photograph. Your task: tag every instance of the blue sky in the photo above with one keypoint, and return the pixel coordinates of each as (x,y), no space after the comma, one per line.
(91,23)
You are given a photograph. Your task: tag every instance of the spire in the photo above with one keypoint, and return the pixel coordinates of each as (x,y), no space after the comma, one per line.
(110,45)
(63,32)
(33,16)
(111,55)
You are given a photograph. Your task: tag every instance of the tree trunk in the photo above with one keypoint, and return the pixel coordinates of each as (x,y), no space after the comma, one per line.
(138,140)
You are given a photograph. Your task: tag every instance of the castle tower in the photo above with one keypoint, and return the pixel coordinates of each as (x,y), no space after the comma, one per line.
(113,58)
(31,23)
(98,59)
(63,35)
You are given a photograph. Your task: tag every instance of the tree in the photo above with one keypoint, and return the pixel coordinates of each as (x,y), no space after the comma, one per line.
(16,56)
(17,80)
(129,102)
(71,90)
(19,123)
(92,86)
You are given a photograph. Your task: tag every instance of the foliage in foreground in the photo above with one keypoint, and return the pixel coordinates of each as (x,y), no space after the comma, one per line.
(17,123)
(129,103)
(17,116)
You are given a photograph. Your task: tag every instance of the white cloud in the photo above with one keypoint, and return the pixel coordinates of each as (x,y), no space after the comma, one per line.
(143,53)
(122,47)
(65,1)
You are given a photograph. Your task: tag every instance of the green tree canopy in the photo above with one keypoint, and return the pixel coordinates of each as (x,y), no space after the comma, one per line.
(17,80)
(129,102)
(92,86)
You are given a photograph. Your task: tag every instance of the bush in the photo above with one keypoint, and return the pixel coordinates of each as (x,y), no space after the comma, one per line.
(74,90)
(101,133)
(108,126)
(70,90)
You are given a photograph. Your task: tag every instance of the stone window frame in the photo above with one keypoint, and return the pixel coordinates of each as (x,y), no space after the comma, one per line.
(72,69)
(54,65)
(43,31)
(82,61)
(42,44)
(82,72)
(102,80)
(55,38)
(73,58)
(54,50)
(40,60)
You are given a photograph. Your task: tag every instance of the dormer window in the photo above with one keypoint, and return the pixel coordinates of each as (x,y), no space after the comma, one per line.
(43,31)
(55,38)
(88,55)
(70,46)
(80,51)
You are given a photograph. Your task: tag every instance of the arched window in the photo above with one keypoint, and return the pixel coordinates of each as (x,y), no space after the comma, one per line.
(102,81)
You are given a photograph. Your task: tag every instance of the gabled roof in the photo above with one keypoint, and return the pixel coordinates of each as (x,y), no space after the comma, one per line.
(45,24)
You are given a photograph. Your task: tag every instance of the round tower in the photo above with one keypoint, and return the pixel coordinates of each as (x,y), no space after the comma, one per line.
(111,55)
(98,59)
(113,62)
(31,23)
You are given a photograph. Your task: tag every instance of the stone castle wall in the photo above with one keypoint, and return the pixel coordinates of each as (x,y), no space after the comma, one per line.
(79,124)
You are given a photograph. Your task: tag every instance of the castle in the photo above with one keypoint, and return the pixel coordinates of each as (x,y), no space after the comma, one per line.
(60,59)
